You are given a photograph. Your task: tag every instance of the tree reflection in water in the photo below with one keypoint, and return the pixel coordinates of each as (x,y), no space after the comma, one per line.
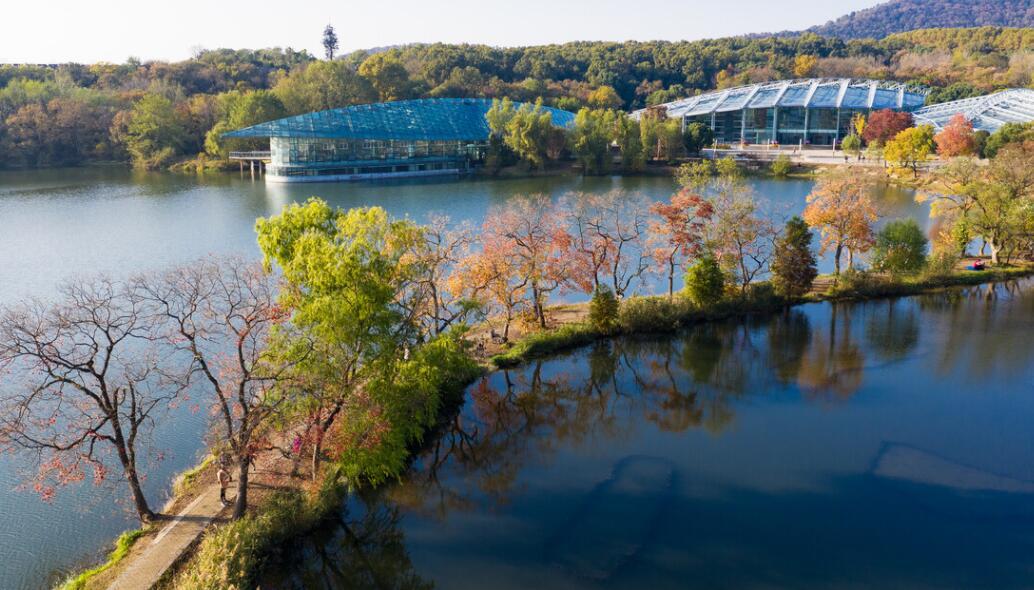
(624,388)
(362,548)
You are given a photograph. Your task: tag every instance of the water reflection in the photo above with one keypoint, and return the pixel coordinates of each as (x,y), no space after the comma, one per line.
(883,443)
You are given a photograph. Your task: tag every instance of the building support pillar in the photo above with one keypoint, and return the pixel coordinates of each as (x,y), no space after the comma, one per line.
(251,167)
(775,125)
(806,113)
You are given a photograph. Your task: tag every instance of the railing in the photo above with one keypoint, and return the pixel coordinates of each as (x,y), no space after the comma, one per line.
(250,155)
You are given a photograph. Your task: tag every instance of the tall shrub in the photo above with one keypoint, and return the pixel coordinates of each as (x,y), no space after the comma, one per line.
(793,264)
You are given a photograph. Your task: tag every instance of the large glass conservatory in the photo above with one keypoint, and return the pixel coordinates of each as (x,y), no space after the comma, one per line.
(386,140)
(987,113)
(815,112)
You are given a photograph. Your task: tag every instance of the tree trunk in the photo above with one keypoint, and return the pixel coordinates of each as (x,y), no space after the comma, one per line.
(241,502)
(671,280)
(143,511)
(836,259)
(317,453)
(995,249)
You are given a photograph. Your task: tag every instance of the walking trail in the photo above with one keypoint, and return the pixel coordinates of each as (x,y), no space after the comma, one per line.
(155,553)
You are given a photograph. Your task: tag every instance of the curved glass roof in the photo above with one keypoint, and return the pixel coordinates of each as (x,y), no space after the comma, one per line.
(814,93)
(433,119)
(987,113)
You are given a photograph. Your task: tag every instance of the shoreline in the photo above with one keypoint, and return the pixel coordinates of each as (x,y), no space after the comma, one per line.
(311,501)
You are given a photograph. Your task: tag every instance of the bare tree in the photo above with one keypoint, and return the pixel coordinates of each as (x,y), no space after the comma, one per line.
(82,380)
(223,313)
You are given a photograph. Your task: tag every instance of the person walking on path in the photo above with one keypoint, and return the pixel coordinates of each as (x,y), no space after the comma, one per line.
(224,482)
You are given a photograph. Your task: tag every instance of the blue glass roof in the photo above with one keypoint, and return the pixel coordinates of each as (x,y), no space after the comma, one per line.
(433,119)
(814,93)
(987,113)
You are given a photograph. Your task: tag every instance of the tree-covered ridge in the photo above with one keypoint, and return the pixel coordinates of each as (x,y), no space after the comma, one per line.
(908,15)
(156,113)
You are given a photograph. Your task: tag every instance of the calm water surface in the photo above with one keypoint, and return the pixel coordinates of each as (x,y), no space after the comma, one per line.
(59,223)
(875,445)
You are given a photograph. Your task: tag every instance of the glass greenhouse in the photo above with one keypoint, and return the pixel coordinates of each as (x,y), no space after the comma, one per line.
(393,139)
(816,112)
(987,113)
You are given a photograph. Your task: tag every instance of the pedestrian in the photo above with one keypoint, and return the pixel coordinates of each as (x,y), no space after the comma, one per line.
(224,482)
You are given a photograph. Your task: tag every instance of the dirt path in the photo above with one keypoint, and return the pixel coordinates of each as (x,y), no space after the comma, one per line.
(158,551)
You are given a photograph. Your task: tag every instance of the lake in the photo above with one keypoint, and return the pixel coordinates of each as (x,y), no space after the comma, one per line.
(883,444)
(60,223)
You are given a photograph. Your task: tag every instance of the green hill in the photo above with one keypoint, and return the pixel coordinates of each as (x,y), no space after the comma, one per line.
(908,15)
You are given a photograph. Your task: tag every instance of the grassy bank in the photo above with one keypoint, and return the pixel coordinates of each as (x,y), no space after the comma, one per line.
(659,314)
(122,546)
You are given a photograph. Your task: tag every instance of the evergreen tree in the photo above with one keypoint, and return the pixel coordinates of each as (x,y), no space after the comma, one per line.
(329,42)
(793,265)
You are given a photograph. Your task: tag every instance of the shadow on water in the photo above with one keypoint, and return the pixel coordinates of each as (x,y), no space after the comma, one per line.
(750,453)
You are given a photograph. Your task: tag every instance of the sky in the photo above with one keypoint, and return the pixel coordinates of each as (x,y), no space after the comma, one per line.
(55,31)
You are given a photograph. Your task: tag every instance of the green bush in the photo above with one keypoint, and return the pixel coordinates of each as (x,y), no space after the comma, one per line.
(650,314)
(782,165)
(940,265)
(603,310)
(705,282)
(900,248)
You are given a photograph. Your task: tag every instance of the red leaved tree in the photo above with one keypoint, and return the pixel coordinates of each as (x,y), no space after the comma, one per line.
(883,126)
(957,138)
(531,234)
(81,382)
(679,231)
(222,314)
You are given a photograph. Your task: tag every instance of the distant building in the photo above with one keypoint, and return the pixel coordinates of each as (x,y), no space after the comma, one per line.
(386,140)
(812,112)
(987,113)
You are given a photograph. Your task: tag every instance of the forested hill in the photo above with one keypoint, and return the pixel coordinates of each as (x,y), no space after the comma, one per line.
(899,16)
(156,113)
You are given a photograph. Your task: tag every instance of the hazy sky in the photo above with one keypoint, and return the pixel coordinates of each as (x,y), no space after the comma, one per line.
(49,31)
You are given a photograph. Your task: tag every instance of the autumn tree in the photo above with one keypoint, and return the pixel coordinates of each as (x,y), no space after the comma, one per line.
(910,148)
(841,208)
(956,139)
(610,235)
(882,126)
(438,249)
(531,235)
(605,97)
(221,314)
(83,381)
(739,234)
(679,231)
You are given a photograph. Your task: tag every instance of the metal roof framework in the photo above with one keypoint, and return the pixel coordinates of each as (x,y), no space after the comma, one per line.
(811,93)
(433,119)
(987,113)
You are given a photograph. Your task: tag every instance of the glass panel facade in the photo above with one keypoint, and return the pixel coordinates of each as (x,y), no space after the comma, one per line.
(759,126)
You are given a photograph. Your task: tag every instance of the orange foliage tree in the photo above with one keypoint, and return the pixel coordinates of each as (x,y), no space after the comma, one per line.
(679,231)
(957,138)
(527,243)
(610,232)
(842,210)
